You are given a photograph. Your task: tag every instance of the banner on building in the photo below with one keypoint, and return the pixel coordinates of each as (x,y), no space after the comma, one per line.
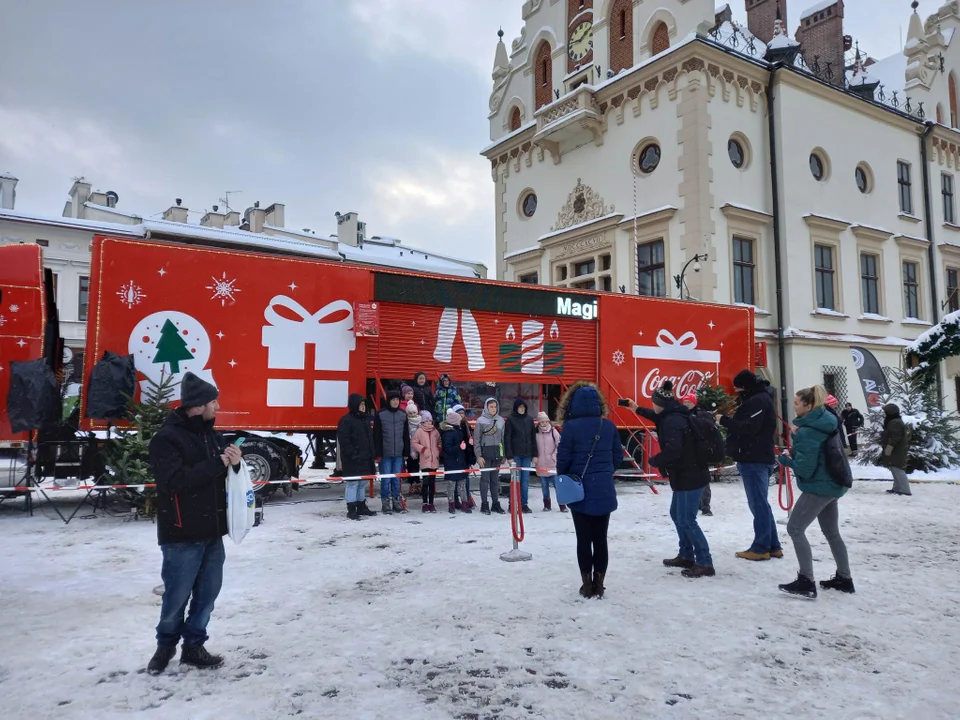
(872,379)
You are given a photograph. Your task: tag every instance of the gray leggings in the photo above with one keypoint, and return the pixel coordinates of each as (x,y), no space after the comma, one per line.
(901,483)
(808,508)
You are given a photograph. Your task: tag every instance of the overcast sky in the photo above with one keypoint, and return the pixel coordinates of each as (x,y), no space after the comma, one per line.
(376,106)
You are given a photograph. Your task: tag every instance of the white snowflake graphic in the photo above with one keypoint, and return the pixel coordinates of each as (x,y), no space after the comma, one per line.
(131,294)
(618,358)
(223,290)
(14,308)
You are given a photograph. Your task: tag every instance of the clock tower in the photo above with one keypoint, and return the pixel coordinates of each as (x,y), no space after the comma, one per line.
(579,34)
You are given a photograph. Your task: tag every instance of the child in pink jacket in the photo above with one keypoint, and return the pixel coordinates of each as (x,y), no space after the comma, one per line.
(426,442)
(548,439)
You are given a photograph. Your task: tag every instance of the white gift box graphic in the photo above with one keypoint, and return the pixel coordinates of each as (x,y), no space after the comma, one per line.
(286,340)
(670,348)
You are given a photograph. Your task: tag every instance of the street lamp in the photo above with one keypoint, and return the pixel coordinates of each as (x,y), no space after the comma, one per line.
(695,261)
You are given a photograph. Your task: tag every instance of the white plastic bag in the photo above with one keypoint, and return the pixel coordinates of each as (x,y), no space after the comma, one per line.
(241,510)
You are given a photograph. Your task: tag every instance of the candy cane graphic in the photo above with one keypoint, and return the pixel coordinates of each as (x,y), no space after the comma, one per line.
(451,320)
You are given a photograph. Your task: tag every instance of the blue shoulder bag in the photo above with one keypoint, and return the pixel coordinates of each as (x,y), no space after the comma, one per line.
(570,487)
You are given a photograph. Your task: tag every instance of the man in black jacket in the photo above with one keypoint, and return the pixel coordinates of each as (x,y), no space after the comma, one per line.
(189,463)
(355,455)
(852,422)
(688,476)
(751,436)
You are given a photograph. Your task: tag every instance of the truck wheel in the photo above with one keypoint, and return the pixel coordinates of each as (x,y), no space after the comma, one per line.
(264,462)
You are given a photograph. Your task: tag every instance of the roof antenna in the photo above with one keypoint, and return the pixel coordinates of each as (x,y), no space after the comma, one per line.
(226,198)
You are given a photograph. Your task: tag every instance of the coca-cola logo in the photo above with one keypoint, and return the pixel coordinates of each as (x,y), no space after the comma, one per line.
(690,381)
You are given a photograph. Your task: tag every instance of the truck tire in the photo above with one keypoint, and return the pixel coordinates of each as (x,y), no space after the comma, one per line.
(266,465)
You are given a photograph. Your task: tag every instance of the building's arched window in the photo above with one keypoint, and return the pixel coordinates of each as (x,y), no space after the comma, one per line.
(953,102)
(621,35)
(543,92)
(939,113)
(515,119)
(661,39)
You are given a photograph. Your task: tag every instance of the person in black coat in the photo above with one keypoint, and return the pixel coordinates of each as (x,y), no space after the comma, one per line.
(852,420)
(423,396)
(454,450)
(520,444)
(189,462)
(688,477)
(356,455)
(751,436)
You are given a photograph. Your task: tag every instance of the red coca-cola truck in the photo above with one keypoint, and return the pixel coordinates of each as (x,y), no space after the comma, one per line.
(287,339)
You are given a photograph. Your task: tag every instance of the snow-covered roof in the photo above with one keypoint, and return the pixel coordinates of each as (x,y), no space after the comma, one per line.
(814,9)
(792,332)
(782,41)
(110,211)
(94,226)
(521,251)
(721,8)
(733,32)
(401,257)
(891,73)
(238,237)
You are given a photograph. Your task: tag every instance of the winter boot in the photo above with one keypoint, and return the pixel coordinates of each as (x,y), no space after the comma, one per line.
(598,587)
(485,507)
(698,571)
(751,555)
(465,507)
(433,508)
(842,584)
(802,587)
(546,505)
(198,656)
(386,507)
(163,655)
(352,512)
(526,509)
(363,510)
(778,554)
(497,508)
(563,508)
(453,508)
(425,508)
(397,506)
(586,590)
(678,562)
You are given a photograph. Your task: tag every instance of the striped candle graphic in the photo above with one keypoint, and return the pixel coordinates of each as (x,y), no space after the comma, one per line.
(531,359)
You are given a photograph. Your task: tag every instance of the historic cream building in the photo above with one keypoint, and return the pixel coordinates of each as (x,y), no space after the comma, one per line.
(630,137)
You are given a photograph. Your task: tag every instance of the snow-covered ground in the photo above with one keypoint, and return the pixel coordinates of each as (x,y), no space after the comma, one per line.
(415,616)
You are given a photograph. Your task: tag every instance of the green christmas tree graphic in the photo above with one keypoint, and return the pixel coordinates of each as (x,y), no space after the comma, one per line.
(171,348)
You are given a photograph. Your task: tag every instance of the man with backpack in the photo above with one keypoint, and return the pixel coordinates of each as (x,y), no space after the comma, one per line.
(682,458)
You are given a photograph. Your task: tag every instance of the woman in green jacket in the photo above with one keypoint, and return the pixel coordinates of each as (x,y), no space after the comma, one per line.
(819,494)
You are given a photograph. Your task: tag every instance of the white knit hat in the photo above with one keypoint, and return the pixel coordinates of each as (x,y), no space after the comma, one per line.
(412,409)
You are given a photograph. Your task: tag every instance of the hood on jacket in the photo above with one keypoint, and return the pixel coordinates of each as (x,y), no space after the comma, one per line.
(517,404)
(585,403)
(486,407)
(195,423)
(416,379)
(891,410)
(354,404)
(821,418)
(445,377)
(445,426)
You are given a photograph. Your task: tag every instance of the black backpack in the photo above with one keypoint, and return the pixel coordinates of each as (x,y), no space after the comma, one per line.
(835,459)
(708,441)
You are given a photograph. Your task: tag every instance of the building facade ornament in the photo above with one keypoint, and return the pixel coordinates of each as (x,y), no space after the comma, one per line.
(581,246)
(582,204)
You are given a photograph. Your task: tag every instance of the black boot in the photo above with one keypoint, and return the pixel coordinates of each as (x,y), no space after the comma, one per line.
(163,655)
(586,590)
(842,584)
(526,509)
(485,507)
(678,562)
(497,508)
(598,587)
(352,513)
(546,504)
(801,587)
(198,656)
(362,509)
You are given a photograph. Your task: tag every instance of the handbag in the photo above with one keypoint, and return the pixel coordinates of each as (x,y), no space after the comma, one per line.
(570,487)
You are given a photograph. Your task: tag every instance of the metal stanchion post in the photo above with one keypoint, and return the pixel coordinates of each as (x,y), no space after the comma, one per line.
(516,554)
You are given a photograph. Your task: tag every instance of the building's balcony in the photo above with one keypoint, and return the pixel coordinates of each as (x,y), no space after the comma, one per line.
(569,122)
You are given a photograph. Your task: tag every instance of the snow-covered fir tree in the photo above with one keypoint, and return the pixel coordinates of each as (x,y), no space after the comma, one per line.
(934,443)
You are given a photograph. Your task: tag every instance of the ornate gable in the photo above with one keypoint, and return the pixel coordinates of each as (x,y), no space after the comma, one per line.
(582,204)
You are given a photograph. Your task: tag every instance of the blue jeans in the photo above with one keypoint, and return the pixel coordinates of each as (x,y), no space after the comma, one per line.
(545,483)
(756,483)
(693,543)
(524,477)
(355,490)
(189,568)
(390,487)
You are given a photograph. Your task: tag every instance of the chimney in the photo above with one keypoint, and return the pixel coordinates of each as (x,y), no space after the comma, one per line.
(350,231)
(253,218)
(112,199)
(213,219)
(274,215)
(231,219)
(723,15)
(821,36)
(8,192)
(176,213)
(79,194)
(761,15)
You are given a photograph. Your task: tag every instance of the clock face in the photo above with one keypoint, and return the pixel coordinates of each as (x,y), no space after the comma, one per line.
(581,41)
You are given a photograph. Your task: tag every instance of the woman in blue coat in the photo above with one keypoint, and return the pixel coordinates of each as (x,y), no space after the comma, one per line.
(583,414)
